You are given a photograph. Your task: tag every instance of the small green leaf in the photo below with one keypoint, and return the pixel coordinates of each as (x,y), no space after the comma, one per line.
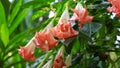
(18,20)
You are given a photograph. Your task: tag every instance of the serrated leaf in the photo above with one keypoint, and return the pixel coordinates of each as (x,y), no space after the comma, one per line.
(18,20)
(4,33)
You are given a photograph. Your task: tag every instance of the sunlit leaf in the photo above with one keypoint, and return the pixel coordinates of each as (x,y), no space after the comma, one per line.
(3,26)
(4,34)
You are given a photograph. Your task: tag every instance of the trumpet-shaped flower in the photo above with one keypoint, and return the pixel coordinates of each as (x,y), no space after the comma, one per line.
(59,62)
(81,15)
(27,52)
(115,7)
(59,59)
(45,40)
(64,28)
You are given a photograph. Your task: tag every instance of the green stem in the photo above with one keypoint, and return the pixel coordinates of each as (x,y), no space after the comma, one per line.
(43,61)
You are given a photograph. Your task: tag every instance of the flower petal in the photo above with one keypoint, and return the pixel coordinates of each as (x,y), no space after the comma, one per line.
(27,52)
(45,41)
(64,17)
(81,15)
(64,30)
(58,62)
(59,59)
(115,7)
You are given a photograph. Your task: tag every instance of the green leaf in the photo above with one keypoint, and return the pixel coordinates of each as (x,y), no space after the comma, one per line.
(15,11)
(77,60)
(36,4)
(4,33)
(91,28)
(76,46)
(39,13)
(16,39)
(14,63)
(2,14)
(84,37)
(6,5)
(18,20)
(17,58)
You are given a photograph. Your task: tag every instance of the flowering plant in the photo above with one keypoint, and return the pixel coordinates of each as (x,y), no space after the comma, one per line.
(60,34)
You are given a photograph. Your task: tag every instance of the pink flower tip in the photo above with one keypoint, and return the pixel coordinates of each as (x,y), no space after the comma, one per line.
(26,53)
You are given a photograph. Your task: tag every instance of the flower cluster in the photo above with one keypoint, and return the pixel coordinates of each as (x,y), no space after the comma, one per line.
(45,40)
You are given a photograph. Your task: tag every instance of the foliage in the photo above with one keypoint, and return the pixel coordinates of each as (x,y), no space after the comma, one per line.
(94,47)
